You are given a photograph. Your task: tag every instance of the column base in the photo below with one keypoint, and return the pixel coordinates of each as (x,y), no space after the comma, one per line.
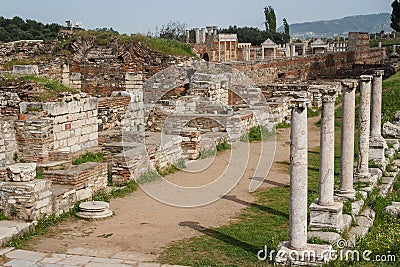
(348,194)
(313,255)
(377,147)
(326,217)
(362,175)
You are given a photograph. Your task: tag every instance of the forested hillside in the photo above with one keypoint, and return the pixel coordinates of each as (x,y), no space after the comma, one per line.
(18,29)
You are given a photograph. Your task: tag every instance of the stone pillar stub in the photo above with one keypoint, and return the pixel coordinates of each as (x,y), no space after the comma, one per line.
(298,175)
(346,188)
(364,127)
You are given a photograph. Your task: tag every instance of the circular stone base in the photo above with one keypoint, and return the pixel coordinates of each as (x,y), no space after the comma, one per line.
(94,210)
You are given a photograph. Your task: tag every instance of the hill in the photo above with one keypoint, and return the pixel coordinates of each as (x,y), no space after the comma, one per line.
(326,28)
(18,29)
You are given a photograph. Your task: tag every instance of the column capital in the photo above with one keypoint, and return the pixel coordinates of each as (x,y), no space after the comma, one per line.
(349,84)
(299,103)
(366,78)
(328,95)
(379,73)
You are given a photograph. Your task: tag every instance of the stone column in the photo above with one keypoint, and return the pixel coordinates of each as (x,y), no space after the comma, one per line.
(304,50)
(298,176)
(377,144)
(297,244)
(262,52)
(327,146)
(324,212)
(364,127)
(376,106)
(197,35)
(346,188)
(293,50)
(187,32)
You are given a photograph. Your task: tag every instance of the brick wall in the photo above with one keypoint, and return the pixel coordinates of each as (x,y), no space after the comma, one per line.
(88,175)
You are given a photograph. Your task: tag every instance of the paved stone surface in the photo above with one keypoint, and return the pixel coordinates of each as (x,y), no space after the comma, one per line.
(25,258)
(25,255)
(9,229)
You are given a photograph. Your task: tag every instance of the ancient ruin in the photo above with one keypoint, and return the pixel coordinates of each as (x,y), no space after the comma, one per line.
(144,112)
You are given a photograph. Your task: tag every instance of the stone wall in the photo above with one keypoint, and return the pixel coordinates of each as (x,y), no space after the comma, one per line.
(8,144)
(309,67)
(27,201)
(35,139)
(112,111)
(73,125)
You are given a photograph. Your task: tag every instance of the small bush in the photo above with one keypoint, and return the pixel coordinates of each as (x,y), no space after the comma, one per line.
(2,216)
(149,176)
(223,146)
(257,134)
(206,153)
(283,125)
(89,157)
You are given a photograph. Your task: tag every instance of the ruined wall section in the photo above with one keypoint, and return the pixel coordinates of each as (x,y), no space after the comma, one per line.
(309,67)
(69,127)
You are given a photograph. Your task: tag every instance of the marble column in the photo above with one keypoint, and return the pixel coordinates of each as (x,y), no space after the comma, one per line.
(327,147)
(325,212)
(298,176)
(304,50)
(346,188)
(297,244)
(377,142)
(364,127)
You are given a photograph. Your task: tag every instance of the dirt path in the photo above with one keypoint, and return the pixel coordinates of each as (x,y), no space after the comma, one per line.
(142,226)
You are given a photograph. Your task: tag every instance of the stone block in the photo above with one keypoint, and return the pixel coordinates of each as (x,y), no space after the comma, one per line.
(22,172)
(330,237)
(326,216)
(393,210)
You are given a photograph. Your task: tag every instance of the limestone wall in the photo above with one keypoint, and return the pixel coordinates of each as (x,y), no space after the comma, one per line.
(27,201)
(73,124)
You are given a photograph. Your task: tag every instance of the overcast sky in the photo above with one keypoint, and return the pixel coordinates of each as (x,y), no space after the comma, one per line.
(129,16)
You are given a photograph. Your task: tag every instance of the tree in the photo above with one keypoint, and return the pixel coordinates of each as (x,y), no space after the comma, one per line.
(270,19)
(395,17)
(173,30)
(287,30)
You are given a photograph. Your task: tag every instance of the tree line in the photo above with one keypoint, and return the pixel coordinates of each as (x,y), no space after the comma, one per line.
(18,29)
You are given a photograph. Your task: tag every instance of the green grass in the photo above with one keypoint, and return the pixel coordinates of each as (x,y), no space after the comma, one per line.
(117,192)
(48,89)
(390,97)
(88,157)
(266,223)
(172,168)
(42,227)
(164,46)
